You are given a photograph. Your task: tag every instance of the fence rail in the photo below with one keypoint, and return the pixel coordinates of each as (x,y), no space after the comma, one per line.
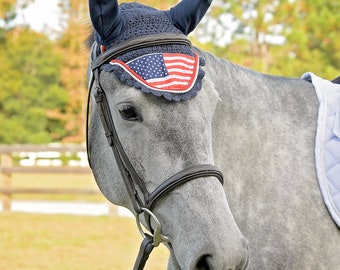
(7,168)
(62,148)
(50,169)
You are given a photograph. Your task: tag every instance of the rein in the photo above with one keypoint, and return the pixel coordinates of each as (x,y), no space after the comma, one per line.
(142,200)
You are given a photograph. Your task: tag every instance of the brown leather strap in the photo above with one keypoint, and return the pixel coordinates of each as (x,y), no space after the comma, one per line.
(144,252)
(186,175)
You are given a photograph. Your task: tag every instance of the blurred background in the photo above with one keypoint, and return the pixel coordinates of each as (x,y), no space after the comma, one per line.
(43,55)
(52,213)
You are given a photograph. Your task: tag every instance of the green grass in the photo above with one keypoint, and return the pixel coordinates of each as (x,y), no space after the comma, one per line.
(62,242)
(65,242)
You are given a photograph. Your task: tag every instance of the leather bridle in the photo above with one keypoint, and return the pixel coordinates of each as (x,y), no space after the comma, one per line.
(142,200)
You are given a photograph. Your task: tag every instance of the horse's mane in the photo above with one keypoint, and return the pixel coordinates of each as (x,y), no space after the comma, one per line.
(90,38)
(227,72)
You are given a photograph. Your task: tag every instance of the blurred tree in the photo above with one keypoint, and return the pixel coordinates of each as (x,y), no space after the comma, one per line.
(312,40)
(285,37)
(8,13)
(31,95)
(162,5)
(247,29)
(74,55)
(43,86)
(8,9)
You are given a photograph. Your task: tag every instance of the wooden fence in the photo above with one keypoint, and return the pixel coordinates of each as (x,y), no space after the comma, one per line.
(8,167)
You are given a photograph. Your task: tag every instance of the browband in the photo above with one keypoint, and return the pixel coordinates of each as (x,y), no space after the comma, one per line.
(139,43)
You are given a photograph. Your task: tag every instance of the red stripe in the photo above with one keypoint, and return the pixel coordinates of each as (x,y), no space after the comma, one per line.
(169,81)
(180,74)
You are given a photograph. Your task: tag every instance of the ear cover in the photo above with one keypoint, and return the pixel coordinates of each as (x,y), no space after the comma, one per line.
(106,20)
(336,80)
(188,13)
(116,24)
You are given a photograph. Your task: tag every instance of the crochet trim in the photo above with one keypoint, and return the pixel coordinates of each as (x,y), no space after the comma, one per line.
(126,77)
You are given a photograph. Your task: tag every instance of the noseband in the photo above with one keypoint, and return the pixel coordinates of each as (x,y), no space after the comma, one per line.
(142,200)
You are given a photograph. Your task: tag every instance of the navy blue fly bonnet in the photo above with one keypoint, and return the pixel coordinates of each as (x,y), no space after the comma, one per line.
(172,70)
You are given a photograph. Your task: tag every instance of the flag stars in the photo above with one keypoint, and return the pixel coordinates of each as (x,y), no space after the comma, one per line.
(149,66)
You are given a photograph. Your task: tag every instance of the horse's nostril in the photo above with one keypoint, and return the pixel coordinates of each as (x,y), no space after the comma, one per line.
(206,262)
(245,264)
(202,263)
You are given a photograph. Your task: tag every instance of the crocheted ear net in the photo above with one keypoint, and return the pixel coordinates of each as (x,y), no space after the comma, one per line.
(142,20)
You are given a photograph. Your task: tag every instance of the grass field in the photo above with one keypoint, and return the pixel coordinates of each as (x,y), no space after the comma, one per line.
(61,242)
(65,242)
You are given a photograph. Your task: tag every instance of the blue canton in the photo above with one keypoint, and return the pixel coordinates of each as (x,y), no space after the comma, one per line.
(149,66)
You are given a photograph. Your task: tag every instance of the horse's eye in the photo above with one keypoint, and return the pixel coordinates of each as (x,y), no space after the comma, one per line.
(127,112)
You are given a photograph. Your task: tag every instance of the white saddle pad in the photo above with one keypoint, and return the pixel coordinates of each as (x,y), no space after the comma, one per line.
(327,146)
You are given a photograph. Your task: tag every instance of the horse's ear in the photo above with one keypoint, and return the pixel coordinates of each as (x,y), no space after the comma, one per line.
(336,80)
(106,20)
(188,13)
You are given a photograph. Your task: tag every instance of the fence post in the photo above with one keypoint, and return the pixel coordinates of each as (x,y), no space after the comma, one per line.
(6,162)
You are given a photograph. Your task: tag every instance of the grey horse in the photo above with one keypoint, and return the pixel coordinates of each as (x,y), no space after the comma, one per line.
(260,131)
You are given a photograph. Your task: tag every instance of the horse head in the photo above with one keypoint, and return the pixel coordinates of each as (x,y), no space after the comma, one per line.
(159,158)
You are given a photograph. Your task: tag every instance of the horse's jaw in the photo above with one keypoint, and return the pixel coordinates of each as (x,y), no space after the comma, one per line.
(201,228)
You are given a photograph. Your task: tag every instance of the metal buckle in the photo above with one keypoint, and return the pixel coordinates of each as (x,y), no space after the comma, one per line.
(158,237)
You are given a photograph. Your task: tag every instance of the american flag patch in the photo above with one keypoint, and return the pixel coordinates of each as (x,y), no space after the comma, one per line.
(167,72)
